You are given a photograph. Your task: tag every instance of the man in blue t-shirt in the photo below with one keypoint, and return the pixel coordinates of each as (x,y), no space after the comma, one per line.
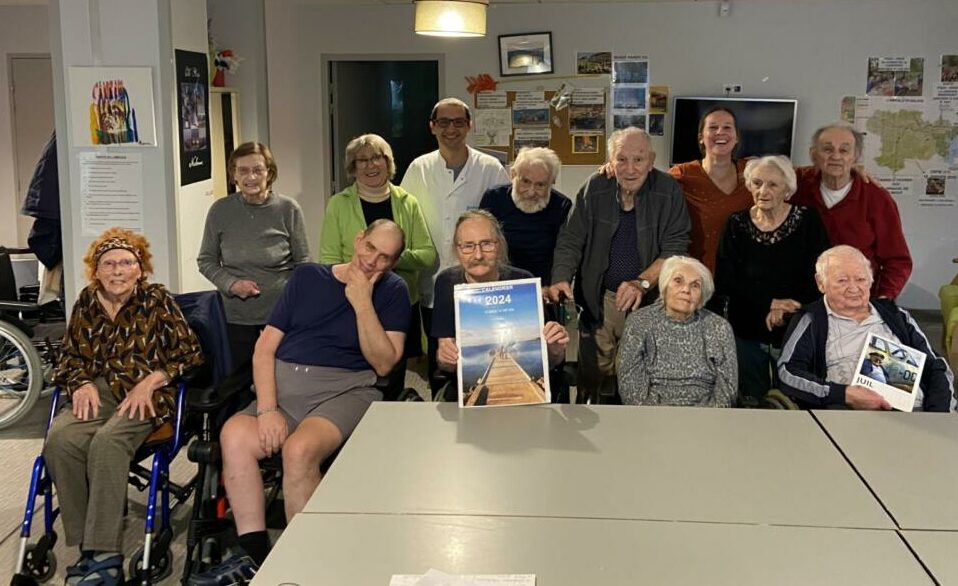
(333,330)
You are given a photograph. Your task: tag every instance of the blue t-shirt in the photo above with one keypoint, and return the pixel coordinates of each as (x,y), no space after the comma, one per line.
(319,324)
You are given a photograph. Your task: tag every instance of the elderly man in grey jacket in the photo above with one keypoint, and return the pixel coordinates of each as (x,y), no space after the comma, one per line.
(621,230)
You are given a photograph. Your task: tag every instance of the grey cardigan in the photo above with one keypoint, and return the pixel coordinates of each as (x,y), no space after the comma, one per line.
(582,250)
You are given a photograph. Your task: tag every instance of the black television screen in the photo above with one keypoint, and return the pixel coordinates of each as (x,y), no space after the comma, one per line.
(765,126)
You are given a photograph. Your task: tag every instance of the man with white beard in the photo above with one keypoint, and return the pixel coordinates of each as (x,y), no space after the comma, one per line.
(530,211)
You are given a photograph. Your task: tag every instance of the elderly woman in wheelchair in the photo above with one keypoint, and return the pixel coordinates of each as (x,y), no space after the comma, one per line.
(126,341)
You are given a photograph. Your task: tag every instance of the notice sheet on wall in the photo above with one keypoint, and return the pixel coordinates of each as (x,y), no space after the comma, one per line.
(111,191)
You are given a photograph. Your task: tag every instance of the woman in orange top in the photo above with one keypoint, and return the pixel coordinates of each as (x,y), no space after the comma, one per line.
(715,186)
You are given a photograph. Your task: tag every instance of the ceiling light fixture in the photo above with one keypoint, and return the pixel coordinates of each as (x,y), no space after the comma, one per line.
(451,18)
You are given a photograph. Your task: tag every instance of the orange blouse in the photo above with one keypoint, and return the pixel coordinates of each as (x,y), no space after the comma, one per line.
(709,207)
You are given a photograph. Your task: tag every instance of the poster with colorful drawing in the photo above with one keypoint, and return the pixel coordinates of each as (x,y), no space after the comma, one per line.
(502,353)
(111,106)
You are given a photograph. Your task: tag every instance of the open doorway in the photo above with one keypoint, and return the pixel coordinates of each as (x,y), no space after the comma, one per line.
(31,105)
(389,97)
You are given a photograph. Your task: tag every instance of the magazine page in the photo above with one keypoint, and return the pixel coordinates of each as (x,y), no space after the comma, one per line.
(891,369)
(502,352)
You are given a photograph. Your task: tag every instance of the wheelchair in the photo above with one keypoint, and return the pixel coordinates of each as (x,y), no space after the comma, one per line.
(30,337)
(152,561)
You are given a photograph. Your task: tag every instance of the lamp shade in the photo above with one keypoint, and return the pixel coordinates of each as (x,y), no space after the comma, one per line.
(451,18)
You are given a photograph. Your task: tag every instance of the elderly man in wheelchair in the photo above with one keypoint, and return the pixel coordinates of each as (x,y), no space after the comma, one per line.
(126,341)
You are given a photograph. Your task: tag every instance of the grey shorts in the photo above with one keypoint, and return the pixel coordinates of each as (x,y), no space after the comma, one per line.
(339,395)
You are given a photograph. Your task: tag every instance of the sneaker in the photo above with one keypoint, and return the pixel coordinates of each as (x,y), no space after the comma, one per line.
(237,570)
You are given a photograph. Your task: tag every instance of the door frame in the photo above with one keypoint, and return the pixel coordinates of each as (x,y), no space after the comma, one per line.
(326,85)
(20,190)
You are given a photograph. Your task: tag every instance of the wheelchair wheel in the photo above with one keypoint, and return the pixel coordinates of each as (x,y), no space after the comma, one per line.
(161,564)
(21,374)
(40,562)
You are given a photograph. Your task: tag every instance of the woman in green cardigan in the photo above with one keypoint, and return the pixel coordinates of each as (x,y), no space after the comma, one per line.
(370,163)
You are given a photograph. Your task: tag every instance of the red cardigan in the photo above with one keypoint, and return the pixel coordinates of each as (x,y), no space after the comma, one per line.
(867,218)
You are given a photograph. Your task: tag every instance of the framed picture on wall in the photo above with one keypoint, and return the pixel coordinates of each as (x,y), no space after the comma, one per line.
(525,54)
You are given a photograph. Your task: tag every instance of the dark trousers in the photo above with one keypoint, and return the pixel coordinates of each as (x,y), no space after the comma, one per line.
(432,347)
(242,340)
(757,370)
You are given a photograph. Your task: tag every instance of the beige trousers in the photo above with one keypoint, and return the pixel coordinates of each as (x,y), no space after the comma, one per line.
(89,462)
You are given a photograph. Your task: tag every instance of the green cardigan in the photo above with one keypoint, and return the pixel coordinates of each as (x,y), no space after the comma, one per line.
(344,219)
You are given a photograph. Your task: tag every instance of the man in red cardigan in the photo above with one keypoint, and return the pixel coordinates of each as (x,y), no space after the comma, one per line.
(854,212)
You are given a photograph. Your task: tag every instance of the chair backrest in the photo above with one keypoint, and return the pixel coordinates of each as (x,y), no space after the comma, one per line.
(8,282)
(204,312)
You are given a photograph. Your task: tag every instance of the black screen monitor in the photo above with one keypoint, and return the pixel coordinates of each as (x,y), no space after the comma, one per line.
(765,126)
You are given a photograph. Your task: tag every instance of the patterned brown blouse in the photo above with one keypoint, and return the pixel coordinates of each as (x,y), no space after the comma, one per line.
(149,333)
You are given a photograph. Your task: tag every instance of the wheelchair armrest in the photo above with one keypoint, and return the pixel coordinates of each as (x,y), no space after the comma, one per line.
(206,399)
(18,306)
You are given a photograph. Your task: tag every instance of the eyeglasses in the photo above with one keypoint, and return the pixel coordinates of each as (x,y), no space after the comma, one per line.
(445,122)
(373,160)
(110,265)
(470,247)
(245,171)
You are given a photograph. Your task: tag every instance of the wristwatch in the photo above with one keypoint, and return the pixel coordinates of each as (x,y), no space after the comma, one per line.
(644,285)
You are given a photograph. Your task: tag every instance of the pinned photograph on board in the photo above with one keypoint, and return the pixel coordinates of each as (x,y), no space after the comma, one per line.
(657,124)
(587,118)
(628,98)
(585,144)
(630,71)
(620,121)
(503,357)
(895,76)
(589,63)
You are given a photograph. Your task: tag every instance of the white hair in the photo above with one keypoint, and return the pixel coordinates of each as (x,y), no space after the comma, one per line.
(673,263)
(619,136)
(780,162)
(842,250)
(538,156)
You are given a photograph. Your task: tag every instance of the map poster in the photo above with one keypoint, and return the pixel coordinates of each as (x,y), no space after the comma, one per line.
(891,369)
(908,136)
(895,76)
(502,352)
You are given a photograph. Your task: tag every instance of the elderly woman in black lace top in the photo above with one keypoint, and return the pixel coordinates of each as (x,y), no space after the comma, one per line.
(765,269)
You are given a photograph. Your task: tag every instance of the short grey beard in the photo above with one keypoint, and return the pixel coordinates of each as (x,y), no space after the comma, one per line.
(530,207)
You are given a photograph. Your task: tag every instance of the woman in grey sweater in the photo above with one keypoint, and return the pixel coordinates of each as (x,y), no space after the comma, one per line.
(253,240)
(675,352)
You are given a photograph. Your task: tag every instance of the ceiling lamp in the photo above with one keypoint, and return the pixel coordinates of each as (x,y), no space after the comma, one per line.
(451,18)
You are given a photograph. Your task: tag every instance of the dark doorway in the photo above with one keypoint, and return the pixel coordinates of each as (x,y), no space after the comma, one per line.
(390,98)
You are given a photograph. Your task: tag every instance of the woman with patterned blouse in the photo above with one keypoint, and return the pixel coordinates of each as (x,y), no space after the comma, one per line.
(765,269)
(126,341)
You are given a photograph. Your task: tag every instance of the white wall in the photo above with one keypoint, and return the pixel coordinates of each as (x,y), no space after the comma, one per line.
(814,50)
(133,33)
(23,29)
(239,25)
(193,201)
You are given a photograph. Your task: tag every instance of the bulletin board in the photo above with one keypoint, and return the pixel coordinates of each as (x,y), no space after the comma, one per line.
(562,138)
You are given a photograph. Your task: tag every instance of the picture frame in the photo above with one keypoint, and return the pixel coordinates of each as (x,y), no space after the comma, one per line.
(525,54)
